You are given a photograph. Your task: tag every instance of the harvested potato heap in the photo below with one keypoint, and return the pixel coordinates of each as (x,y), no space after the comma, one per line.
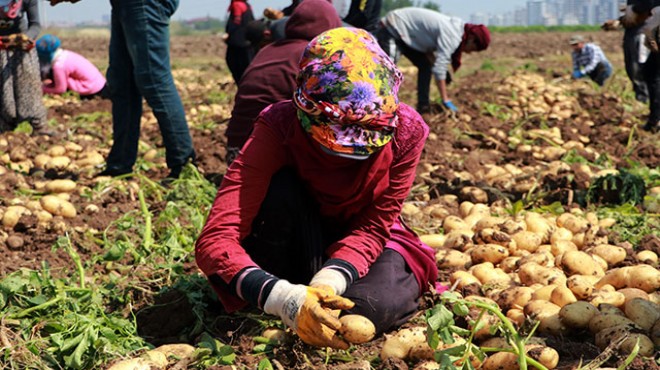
(558,270)
(530,94)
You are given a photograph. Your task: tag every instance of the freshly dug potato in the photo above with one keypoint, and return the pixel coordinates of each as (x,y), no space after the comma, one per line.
(605,321)
(648,257)
(464,279)
(489,253)
(577,314)
(517,316)
(607,336)
(644,277)
(514,297)
(452,259)
(58,207)
(631,293)
(544,292)
(452,223)
(539,225)
(492,236)
(655,334)
(459,239)
(60,186)
(543,258)
(611,297)
(561,234)
(178,350)
(573,223)
(400,344)
(510,264)
(527,240)
(533,273)
(58,163)
(275,334)
(501,361)
(645,344)
(547,356)
(13,214)
(562,246)
(581,285)
(434,241)
(580,263)
(610,253)
(561,296)
(357,329)
(644,313)
(56,150)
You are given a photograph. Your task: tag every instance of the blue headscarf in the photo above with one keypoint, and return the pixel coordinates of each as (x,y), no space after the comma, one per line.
(46,46)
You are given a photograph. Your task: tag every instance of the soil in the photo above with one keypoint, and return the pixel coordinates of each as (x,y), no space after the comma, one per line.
(457,146)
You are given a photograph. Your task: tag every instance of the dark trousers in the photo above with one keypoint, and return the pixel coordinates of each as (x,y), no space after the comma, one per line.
(417,58)
(289,239)
(601,73)
(238,59)
(140,67)
(633,67)
(652,77)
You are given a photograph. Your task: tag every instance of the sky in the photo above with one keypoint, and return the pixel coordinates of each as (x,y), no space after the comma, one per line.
(93,10)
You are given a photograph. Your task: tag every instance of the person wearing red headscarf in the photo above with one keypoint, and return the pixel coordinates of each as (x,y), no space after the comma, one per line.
(306,219)
(432,41)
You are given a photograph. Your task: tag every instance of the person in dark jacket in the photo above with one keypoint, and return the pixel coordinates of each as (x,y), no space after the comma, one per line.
(307,218)
(239,50)
(271,76)
(647,14)
(20,80)
(364,14)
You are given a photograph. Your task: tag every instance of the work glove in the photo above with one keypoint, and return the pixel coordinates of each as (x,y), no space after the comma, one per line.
(577,74)
(16,41)
(449,105)
(309,312)
(273,14)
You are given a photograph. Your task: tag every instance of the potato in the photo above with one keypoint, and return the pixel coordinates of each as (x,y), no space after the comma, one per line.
(452,223)
(544,293)
(517,316)
(644,313)
(56,150)
(644,277)
(605,321)
(610,253)
(577,314)
(532,273)
(655,334)
(501,361)
(459,239)
(543,258)
(40,160)
(464,208)
(400,344)
(452,259)
(509,264)
(434,241)
(514,297)
(648,257)
(581,285)
(561,296)
(427,365)
(492,236)
(645,345)
(573,223)
(58,163)
(489,253)
(561,234)
(614,298)
(463,278)
(420,351)
(580,263)
(537,309)
(58,207)
(606,336)
(357,329)
(13,215)
(179,350)
(539,225)
(562,246)
(527,240)
(275,334)
(547,356)
(60,186)
(491,275)
(631,293)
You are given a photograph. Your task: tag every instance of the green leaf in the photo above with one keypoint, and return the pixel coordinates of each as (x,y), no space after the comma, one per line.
(460,309)
(12,284)
(260,348)
(115,252)
(440,317)
(227,355)
(75,361)
(265,364)
(432,337)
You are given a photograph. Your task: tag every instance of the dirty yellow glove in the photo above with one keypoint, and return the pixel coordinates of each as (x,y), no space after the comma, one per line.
(309,312)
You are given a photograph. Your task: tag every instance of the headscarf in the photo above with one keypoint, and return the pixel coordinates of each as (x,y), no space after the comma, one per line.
(481,36)
(347,94)
(46,46)
(11,8)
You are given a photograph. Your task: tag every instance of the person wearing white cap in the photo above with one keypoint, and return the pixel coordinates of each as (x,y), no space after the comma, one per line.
(589,61)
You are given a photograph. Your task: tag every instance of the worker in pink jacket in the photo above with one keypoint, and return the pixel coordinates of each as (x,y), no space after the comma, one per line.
(68,70)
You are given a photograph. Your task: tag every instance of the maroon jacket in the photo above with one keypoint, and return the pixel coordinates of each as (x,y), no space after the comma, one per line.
(366,196)
(271,76)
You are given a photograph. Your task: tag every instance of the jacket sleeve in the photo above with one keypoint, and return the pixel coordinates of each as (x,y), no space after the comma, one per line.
(218,250)
(371,229)
(34,27)
(59,85)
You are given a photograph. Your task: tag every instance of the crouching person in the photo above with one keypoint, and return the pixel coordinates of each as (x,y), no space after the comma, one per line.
(306,220)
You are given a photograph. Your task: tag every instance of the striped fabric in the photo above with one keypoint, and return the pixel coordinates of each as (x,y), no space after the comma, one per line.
(588,58)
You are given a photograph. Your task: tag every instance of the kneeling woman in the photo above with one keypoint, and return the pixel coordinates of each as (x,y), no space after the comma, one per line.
(307,217)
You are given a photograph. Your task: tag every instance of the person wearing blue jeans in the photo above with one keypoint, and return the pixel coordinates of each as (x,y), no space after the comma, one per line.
(140,67)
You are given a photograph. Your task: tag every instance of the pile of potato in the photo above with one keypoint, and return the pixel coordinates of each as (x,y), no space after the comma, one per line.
(530,94)
(558,270)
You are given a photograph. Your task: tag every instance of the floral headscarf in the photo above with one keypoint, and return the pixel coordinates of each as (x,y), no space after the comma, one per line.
(347,92)
(46,46)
